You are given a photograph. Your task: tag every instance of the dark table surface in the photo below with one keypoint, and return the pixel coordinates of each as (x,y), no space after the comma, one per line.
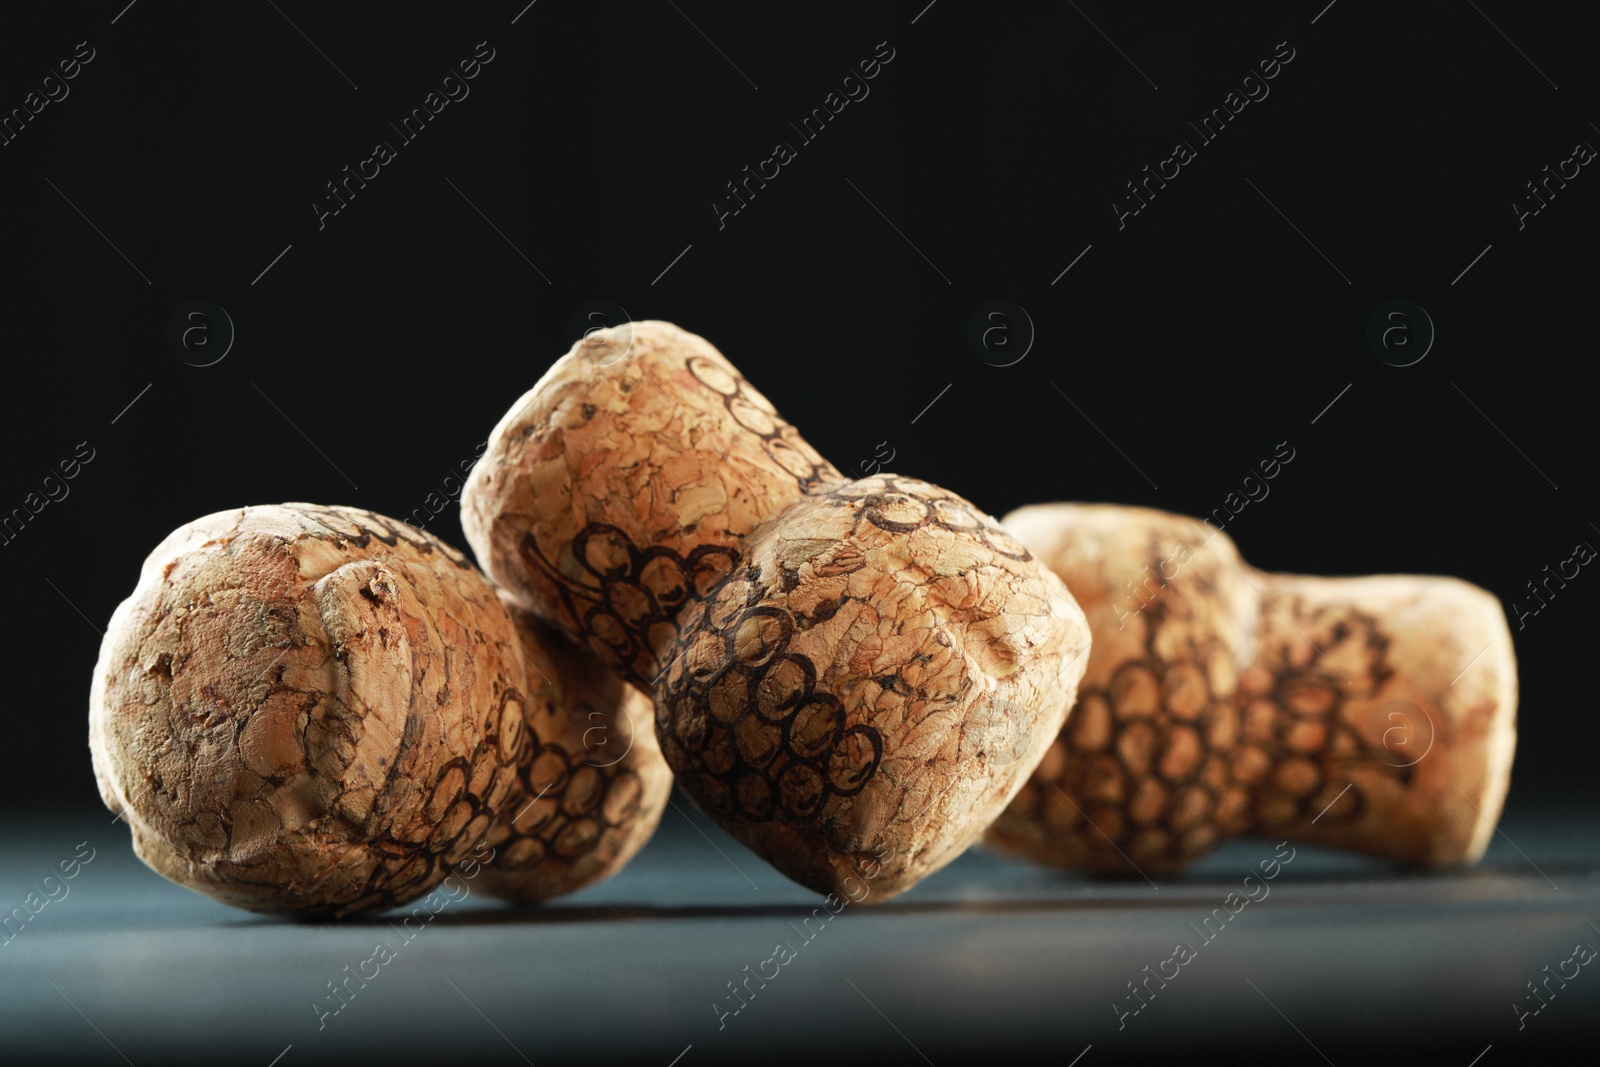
(1345,960)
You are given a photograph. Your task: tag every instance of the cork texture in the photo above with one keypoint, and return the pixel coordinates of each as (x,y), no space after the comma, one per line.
(1376,714)
(593,783)
(623,484)
(880,672)
(305,709)
(838,667)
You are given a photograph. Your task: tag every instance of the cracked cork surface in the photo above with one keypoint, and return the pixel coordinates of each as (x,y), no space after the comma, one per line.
(305,709)
(1376,714)
(593,782)
(839,667)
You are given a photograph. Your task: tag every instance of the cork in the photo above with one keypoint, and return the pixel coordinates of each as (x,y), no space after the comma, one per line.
(840,668)
(307,710)
(1376,714)
(593,782)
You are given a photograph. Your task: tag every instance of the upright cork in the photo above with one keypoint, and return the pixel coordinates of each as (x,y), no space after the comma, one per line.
(1376,714)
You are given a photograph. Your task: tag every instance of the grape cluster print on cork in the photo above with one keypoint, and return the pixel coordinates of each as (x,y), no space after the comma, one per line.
(318,711)
(1376,713)
(819,649)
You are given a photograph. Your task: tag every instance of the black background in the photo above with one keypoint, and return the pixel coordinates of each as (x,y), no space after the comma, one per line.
(374,354)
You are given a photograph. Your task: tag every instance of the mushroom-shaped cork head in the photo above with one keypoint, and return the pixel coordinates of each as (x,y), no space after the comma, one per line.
(1374,713)
(304,709)
(878,675)
(840,669)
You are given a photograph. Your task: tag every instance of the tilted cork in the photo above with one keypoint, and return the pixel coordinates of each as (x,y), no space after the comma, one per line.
(305,709)
(881,669)
(838,667)
(623,484)
(1374,713)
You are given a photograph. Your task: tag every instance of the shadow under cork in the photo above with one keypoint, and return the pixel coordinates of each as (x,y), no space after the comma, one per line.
(1393,887)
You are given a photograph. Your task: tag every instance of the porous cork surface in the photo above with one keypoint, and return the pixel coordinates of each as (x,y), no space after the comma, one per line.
(593,782)
(307,709)
(881,671)
(623,484)
(1375,713)
(626,498)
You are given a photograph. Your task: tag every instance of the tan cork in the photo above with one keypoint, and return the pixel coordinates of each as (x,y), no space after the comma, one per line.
(840,668)
(1375,713)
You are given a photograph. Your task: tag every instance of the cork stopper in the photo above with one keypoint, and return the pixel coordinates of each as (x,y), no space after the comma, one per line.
(1375,713)
(840,669)
(305,709)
